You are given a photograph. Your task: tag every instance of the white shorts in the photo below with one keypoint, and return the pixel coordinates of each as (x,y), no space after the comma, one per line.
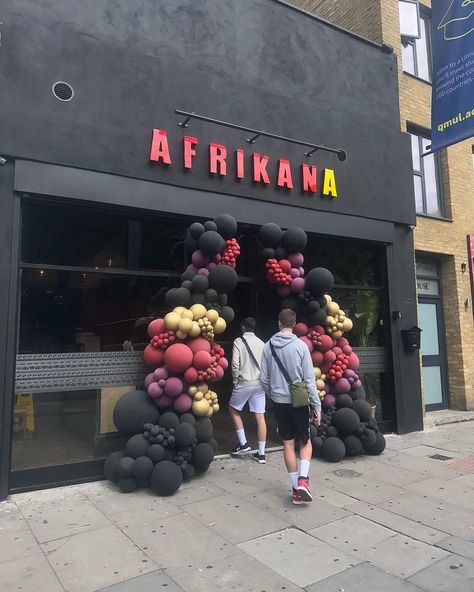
(255,396)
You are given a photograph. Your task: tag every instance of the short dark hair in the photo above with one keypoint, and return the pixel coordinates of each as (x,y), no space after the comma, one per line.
(249,324)
(287,318)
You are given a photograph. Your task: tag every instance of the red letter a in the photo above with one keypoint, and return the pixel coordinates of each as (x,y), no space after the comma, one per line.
(284,174)
(309,178)
(159,147)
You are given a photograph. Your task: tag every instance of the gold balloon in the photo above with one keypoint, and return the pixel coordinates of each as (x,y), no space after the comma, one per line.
(328,298)
(337,334)
(179,309)
(202,386)
(200,408)
(347,325)
(192,390)
(332,308)
(215,407)
(212,315)
(320,384)
(198,310)
(195,329)
(185,325)
(187,314)
(220,326)
(198,396)
(172,320)
(181,335)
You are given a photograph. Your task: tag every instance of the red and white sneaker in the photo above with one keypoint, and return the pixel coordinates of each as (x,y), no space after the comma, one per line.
(296,498)
(303,489)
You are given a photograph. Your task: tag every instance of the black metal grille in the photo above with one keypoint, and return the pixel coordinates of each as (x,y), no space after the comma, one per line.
(63,91)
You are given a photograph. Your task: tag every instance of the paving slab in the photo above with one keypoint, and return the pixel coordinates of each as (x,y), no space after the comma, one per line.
(109,556)
(198,493)
(402,556)
(452,574)
(442,516)
(424,450)
(385,473)
(11,519)
(239,573)
(361,488)
(144,514)
(454,492)
(29,574)
(400,524)
(180,543)
(278,502)
(297,556)
(150,582)
(331,496)
(234,518)
(352,534)
(457,546)
(362,578)
(420,464)
(16,544)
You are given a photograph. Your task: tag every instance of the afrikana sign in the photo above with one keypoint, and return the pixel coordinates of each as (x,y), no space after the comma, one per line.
(257,168)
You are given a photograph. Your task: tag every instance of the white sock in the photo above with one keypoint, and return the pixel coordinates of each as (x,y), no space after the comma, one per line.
(261,448)
(294,479)
(304,468)
(241,436)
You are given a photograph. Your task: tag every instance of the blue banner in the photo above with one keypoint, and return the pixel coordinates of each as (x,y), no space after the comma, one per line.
(452,110)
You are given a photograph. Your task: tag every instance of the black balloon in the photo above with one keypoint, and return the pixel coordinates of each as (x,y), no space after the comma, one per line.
(317,443)
(378,447)
(332,431)
(313,306)
(363,409)
(290,302)
(198,298)
(213,443)
(270,235)
(188,472)
(222,299)
(281,253)
(268,253)
(111,466)
(185,434)
(196,229)
(203,455)
(294,240)
(212,295)
(313,431)
(227,313)
(166,478)
(204,430)
(210,225)
(226,225)
(156,453)
(333,449)
(187,418)
(357,394)
(125,466)
(368,437)
(199,283)
(137,446)
(127,484)
(142,467)
(319,317)
(169,420)
(187,276)
(319,281)
(144,483)
(353,445)
(223,278)
(182,296)
(211,243)
(346,421)
(133,410)
(344,401)
(187,284)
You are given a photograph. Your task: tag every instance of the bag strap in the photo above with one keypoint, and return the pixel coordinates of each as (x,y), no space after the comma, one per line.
(254,360)
(280,365)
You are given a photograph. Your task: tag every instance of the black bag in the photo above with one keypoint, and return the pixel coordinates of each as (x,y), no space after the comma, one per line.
(300,395)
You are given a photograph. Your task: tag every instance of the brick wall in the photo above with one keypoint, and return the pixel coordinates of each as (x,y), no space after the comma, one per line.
(378,21)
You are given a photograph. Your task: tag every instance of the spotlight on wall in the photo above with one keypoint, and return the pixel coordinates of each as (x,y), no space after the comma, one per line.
(463,268)
(3,161)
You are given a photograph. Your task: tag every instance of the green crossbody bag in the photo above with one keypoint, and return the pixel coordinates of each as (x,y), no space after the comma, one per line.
(299,391)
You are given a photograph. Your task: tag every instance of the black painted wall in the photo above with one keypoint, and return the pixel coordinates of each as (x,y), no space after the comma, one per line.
(258,63)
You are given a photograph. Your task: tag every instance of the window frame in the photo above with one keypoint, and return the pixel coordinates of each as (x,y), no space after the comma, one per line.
(423,14)
(421,134)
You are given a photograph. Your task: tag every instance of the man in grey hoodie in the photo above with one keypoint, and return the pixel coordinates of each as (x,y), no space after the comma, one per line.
(293,423)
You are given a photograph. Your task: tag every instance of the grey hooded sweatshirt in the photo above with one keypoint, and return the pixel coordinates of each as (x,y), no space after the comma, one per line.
(296,359)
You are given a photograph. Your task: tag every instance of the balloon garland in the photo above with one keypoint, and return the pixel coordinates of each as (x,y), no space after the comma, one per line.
(347,426)
(168,423)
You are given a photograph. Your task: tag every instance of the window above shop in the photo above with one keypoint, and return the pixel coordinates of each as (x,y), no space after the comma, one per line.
(426,176)
(415,31)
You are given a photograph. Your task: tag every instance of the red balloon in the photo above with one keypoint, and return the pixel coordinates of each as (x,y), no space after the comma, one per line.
(337,351)
(219,373)
(156,327)
(308,342)
(342,342)
(318,358)
(330,356)
(164,402)
(202,360)
(347,349)
(178,357)
(354,362)
(153,357)
(285,265)
(223,363)
(325,343)
(199,344)
(300,329)
(191,375)
(325,367)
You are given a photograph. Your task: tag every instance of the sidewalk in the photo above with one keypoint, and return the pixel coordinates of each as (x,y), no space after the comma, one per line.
(401,522)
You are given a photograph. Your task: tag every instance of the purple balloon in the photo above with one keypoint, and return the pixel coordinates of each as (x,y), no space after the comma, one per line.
(296,259)
(199,259)
(357,384)
(297,285)
(192,268)
(294,272)
(348,374)
(301,272)
(211,266)
(342,386)
(329,401)
(149,379)
(183,403)
(203,271)
(283,291)
(154,390)
(164,402)
(160,373)
(173,387)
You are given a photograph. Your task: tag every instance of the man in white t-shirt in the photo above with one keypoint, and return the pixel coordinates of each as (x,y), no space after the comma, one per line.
(246,357)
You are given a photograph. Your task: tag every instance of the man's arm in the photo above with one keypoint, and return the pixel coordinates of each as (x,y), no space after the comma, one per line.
(235,363)
(265,371)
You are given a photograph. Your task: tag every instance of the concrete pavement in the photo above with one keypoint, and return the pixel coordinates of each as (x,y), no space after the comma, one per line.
(401,522)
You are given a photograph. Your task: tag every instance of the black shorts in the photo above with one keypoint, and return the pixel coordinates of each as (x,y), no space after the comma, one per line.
(292,422)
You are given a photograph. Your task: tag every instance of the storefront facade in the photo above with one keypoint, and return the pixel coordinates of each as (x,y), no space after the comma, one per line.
(100,184)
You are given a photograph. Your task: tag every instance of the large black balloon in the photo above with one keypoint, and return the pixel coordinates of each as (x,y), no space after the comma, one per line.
(226,225)
(182,296)
(346,421)
(353,445)
(199,283)
(357,394)
(133,410)
(294,240)
(204,429)
(137,446)
(211,243)
(344,401)
(169,420)
(111,466)
(378,447)
(127,484)
(142,467)
(188,472)
(210,225)
(196,229)
(319,281)
(228,314)
(185,434)
(203,455)
(317,443)
(333,449)
(290,302)
(368,437)
(156,453)
(363,409)
(223,278)
(188,418)
(270,235)
(166,478)
(319,317)
(125,466)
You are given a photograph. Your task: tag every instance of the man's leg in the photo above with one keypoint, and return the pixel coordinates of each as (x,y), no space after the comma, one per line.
(291,462)
(261,437)
(239,429)
(306,451)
